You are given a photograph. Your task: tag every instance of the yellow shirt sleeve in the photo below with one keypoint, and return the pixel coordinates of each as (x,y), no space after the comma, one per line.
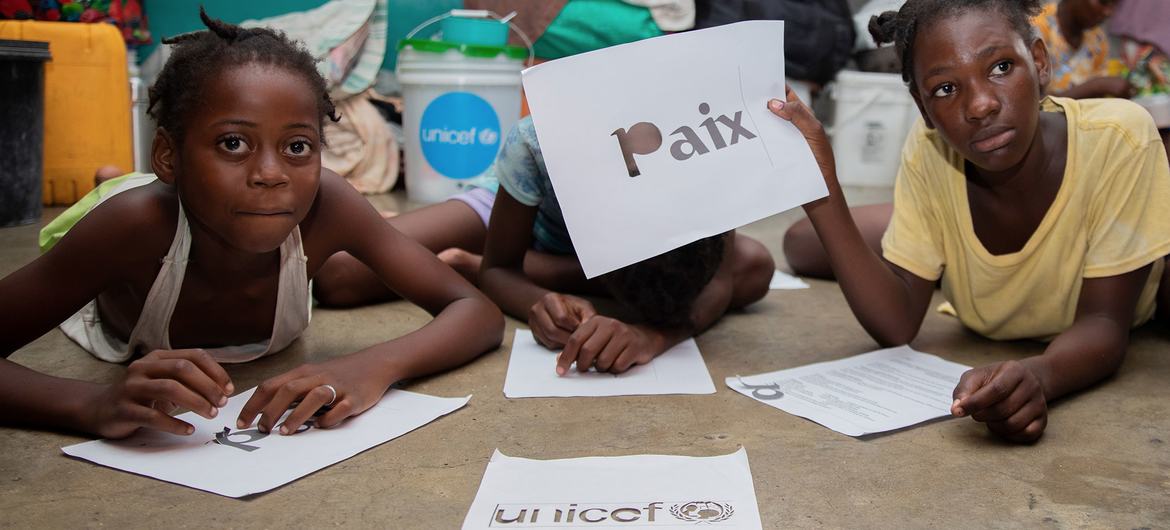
(1129,226)
(912,241)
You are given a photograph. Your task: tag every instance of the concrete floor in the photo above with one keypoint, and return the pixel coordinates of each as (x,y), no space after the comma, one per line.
(1103,463)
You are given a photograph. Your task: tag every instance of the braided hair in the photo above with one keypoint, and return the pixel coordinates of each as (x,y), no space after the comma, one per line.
(901,27)
(201,54)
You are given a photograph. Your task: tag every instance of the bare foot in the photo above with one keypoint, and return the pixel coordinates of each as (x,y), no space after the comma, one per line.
(464,262)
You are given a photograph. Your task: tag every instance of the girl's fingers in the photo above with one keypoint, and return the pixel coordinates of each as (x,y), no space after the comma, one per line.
(573,347)
(185,369)
(261,398)
(151,391)
(206,364)
(310,404)
(153,419)
(1007,407)
(545,331)
(283,398)
(341,410)
(592,346)
(608,360)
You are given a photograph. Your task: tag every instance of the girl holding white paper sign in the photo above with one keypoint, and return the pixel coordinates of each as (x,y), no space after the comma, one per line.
(210,262)
(1036,213)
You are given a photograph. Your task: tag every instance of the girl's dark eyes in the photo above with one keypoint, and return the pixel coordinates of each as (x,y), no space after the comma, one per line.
(943,90)
(233,144)
(299,148)
(1002,67)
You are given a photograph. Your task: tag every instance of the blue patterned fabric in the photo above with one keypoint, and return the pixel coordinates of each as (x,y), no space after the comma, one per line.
(520,170)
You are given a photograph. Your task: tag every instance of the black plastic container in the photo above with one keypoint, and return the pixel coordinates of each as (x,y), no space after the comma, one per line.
(22,130)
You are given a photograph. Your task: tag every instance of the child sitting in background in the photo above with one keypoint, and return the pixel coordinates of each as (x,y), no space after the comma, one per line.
(1079,49)
(1040,215)
(211,261)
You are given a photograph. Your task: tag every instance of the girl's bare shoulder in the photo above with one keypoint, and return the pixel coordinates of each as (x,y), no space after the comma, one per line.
(135,224)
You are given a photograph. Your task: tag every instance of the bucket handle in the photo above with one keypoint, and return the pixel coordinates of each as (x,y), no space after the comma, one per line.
(480,13)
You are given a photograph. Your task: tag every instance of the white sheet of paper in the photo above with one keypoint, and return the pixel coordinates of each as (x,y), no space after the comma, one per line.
(532,373)
(251,462)
(722,161)
(869,393)
(783,280)
(643,491)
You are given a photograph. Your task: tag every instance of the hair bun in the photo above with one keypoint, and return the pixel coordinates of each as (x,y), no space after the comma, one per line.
(882,27)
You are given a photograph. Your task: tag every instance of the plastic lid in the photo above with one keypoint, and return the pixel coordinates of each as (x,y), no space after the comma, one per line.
(24,50)
(470,50)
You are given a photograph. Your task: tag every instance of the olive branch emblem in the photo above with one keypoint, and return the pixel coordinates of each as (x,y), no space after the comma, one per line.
(702,511)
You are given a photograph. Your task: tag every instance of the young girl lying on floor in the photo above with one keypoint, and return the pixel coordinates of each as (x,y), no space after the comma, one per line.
(211,261)
(1040,215)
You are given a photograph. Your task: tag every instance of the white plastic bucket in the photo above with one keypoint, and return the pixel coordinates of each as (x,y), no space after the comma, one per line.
(460,101)
(873,113)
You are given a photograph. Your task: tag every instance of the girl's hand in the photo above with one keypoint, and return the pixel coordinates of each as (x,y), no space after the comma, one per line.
(1007,396)
(795,111)
(610,345)
(153,387)
(345,387)
(556,316)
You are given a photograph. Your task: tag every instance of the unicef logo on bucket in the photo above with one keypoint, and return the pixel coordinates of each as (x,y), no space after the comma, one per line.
(459,134)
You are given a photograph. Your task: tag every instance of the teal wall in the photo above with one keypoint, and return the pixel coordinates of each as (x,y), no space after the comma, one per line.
(168,18)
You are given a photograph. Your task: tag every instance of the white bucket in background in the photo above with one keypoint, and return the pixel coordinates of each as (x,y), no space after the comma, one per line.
(872,115)
(458,110)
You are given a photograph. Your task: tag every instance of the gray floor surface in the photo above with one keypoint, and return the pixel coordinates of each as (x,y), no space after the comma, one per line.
(1103,463)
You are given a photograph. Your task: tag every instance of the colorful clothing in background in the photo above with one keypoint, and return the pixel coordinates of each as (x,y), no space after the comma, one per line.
(1144,27)
(1072,67)
(1149,68)
(125,14)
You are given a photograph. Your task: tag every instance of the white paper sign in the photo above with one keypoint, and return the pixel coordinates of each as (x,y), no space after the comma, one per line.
(654,144)
(783,280)
(238,463)
(532,373)
(870,393)
(645,491)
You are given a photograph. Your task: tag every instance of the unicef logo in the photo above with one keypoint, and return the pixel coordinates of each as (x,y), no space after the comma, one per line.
(702,511)
(459,134)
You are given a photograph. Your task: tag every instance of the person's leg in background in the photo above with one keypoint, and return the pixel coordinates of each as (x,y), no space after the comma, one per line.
(454,230)
(805,253)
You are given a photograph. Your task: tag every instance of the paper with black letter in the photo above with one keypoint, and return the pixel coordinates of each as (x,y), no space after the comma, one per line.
(869,393)
(235,463)
(642,491)
(654,144)
(532,373)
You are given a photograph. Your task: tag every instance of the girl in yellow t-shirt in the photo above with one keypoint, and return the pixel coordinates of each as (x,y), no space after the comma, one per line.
(1037,214)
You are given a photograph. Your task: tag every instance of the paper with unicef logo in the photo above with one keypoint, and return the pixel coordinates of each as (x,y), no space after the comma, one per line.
(234,463)
(532,373)
(658,143)
(874,392)
(642,491)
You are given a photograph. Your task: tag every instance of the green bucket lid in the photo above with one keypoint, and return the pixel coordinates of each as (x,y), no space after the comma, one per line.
(470,50)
